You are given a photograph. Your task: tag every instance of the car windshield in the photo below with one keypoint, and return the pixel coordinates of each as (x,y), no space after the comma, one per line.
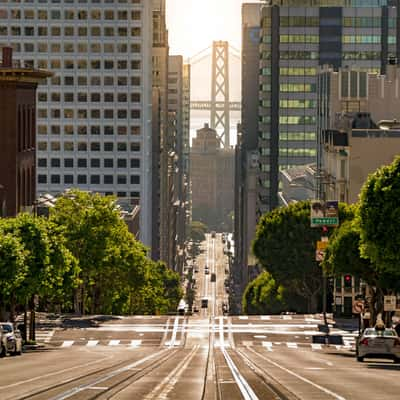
(373,332)
(6,327)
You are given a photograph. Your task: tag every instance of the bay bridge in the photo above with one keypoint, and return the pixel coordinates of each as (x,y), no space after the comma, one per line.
(220,105)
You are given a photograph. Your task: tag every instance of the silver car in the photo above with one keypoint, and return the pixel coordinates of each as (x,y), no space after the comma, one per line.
(378,343)
(13,338)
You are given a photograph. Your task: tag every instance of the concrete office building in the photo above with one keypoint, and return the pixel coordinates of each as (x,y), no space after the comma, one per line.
(18,135)
(297,37)
(246,155)
(94,117)
(160,133)
(175,139)
(359,127)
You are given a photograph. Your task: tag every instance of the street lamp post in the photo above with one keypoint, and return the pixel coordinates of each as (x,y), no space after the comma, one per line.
(3,210)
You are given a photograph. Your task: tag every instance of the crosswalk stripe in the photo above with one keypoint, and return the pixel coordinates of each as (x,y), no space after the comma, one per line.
(92,343)
(247,343)
(291,345)
(316,346)
(265,317)
(113,342)
(67,343)
(135,343)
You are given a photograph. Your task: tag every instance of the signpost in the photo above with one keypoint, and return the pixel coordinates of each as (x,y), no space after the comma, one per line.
(358,308)
(324,213)
(389,303)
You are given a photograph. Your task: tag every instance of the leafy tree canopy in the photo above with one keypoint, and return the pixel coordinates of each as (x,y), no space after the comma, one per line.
(379,216)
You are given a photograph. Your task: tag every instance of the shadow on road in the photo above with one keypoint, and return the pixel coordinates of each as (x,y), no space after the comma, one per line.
(384,365)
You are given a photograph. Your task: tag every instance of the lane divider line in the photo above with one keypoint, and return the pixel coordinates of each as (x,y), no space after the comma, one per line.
(244,387)
(302,378)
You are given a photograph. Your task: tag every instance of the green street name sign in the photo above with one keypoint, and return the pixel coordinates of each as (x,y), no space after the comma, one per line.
(327,221)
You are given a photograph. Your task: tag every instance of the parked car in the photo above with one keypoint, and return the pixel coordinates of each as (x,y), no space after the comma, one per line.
(378,343)
(3,344)
(13,338)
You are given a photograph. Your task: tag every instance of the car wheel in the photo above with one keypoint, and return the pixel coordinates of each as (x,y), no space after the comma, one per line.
(14,352)
(3,351)
(360,358)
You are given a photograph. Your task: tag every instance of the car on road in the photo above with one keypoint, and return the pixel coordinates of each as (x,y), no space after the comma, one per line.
(3,344)
(378,343)
(13,338)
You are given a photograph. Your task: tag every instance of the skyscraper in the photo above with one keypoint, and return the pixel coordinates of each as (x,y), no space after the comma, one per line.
(94,117)
(297,36)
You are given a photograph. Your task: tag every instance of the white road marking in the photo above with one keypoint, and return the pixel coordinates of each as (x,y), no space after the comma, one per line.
(75,390)
(316,346)
(41,377)
(135,343)
(67,343)
(302,378)
(113,342)
(291,345)
(265,317)
(243,317)
(247,343)
(260,336)
(171,343)
(244,387)
(168,383)
(92,343)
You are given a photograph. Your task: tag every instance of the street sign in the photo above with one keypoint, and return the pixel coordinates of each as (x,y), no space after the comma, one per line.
(358,306)
(324,213)
(389,303)
(319,255)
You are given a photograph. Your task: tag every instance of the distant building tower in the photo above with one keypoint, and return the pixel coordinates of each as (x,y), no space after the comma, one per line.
(18,135)
(212,176)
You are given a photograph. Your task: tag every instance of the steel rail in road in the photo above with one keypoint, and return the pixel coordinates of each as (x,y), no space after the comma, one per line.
(323,389)
(104,375)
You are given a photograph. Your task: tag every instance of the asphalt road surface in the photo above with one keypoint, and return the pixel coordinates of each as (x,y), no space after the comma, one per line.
(205,356)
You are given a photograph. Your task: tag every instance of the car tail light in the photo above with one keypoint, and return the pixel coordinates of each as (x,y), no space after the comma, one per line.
(364,342)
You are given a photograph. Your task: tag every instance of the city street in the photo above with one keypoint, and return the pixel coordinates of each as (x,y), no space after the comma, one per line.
(203,356)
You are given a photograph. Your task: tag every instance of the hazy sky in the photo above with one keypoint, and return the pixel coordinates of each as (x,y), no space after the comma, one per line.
(194,24)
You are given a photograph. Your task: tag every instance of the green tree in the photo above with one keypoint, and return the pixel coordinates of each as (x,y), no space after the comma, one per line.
(285,245)
(47,260)
(379,214)
(197,231)
(263,296)
(13,271)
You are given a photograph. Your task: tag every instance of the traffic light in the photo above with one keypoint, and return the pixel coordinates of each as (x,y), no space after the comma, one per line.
(348,281)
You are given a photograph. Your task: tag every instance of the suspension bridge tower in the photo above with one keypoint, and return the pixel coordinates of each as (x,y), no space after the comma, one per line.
(220,106)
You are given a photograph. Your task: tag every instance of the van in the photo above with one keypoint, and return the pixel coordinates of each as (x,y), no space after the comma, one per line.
(204,302)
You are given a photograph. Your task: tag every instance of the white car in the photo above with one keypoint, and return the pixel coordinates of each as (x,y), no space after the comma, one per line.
(376,343)
(13,338)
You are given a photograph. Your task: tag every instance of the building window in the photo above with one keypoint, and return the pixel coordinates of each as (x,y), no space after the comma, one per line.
(42,178)
(108,163)
(55,163)
(108,179)
(82,179)
(68,179)
(82,163)
(68,163)
(95,163)
(135,179)
(42,162)
(108,146)
(55,179)
(94,179)
(121,163)
(135,163)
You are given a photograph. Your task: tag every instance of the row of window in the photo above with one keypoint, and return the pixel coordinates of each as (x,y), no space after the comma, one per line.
(84,163)
(297,87)
(72,1)
(285,103)
(84,97)
(78,47)
(106,31)
(92,130)
(299,38)
(92,80)
(93,179)
(348,22)
(95,14)
(297,119)
(297,136)
(313,55)
(297,152)
(83,146)
(303,71)
(366,39)
(70,113)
